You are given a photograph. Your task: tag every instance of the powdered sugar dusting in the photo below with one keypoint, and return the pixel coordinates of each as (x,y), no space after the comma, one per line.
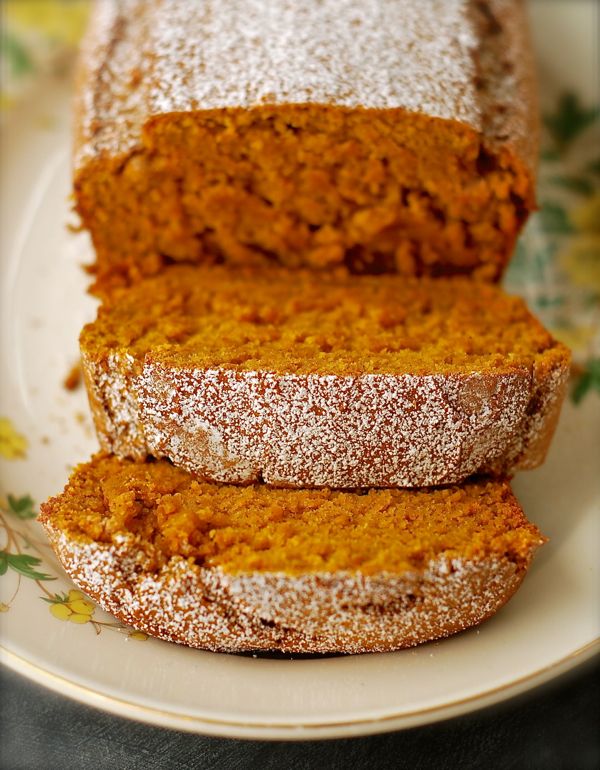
(372,430)
(144,58)
(340,612)
(379,53)
(325,430)
(110,395)
(549,390)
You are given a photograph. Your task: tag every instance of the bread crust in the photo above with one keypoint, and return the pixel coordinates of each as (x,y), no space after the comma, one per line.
(327,430)
(139,60)
(316,613)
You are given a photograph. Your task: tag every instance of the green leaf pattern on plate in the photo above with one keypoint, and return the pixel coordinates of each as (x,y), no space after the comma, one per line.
(22,507)
(556,266)
(568,121)
(15,53)
(24,564)
(38,37)
(587,380)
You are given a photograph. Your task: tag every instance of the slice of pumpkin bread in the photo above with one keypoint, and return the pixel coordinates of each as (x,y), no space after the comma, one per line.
(323,381)
(248,568)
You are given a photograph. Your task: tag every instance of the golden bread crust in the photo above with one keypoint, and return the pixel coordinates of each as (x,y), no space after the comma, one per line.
(210,610)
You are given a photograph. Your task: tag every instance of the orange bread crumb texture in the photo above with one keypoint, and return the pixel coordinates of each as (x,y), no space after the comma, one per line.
(254,528)
(268,320)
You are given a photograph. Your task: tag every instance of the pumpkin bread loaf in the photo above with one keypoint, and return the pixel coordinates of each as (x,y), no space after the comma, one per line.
(248,375)
(253,568)
(377,135)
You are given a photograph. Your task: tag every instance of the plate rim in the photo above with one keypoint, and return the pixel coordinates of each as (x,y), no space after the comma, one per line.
(294,731)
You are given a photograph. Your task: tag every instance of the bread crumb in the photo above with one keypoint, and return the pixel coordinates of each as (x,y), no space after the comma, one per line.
(73,379)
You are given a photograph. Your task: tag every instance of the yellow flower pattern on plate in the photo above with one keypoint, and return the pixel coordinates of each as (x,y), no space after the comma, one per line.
(581,258)
(61,21)
(13,445)
(74,607)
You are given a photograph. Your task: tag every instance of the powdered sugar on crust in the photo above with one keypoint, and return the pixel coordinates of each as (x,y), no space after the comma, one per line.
(370,430)
(113,403)
(340,612)
(146,58)
(549,392)
(325,430)
(378,53)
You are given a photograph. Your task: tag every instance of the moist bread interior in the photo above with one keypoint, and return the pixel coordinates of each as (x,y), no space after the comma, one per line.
(306,324)
(254,528)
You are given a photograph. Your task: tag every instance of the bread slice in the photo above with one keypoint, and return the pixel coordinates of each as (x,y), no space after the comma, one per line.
(253,568)
(389,135)
(313,381)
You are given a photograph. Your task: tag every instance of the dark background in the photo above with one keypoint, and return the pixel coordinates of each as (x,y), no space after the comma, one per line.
(556,726)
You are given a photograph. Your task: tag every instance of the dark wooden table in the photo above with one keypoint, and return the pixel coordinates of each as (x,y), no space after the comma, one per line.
(557,726)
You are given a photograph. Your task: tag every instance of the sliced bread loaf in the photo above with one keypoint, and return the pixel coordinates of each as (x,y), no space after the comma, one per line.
(382,136)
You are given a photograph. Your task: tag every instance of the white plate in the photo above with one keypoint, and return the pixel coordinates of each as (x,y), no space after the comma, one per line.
(551,624)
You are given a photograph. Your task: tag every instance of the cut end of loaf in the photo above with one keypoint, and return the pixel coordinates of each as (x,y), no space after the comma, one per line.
(393,136)
(305,186)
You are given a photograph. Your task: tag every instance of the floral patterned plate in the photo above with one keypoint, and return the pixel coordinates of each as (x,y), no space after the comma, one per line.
(56,635)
